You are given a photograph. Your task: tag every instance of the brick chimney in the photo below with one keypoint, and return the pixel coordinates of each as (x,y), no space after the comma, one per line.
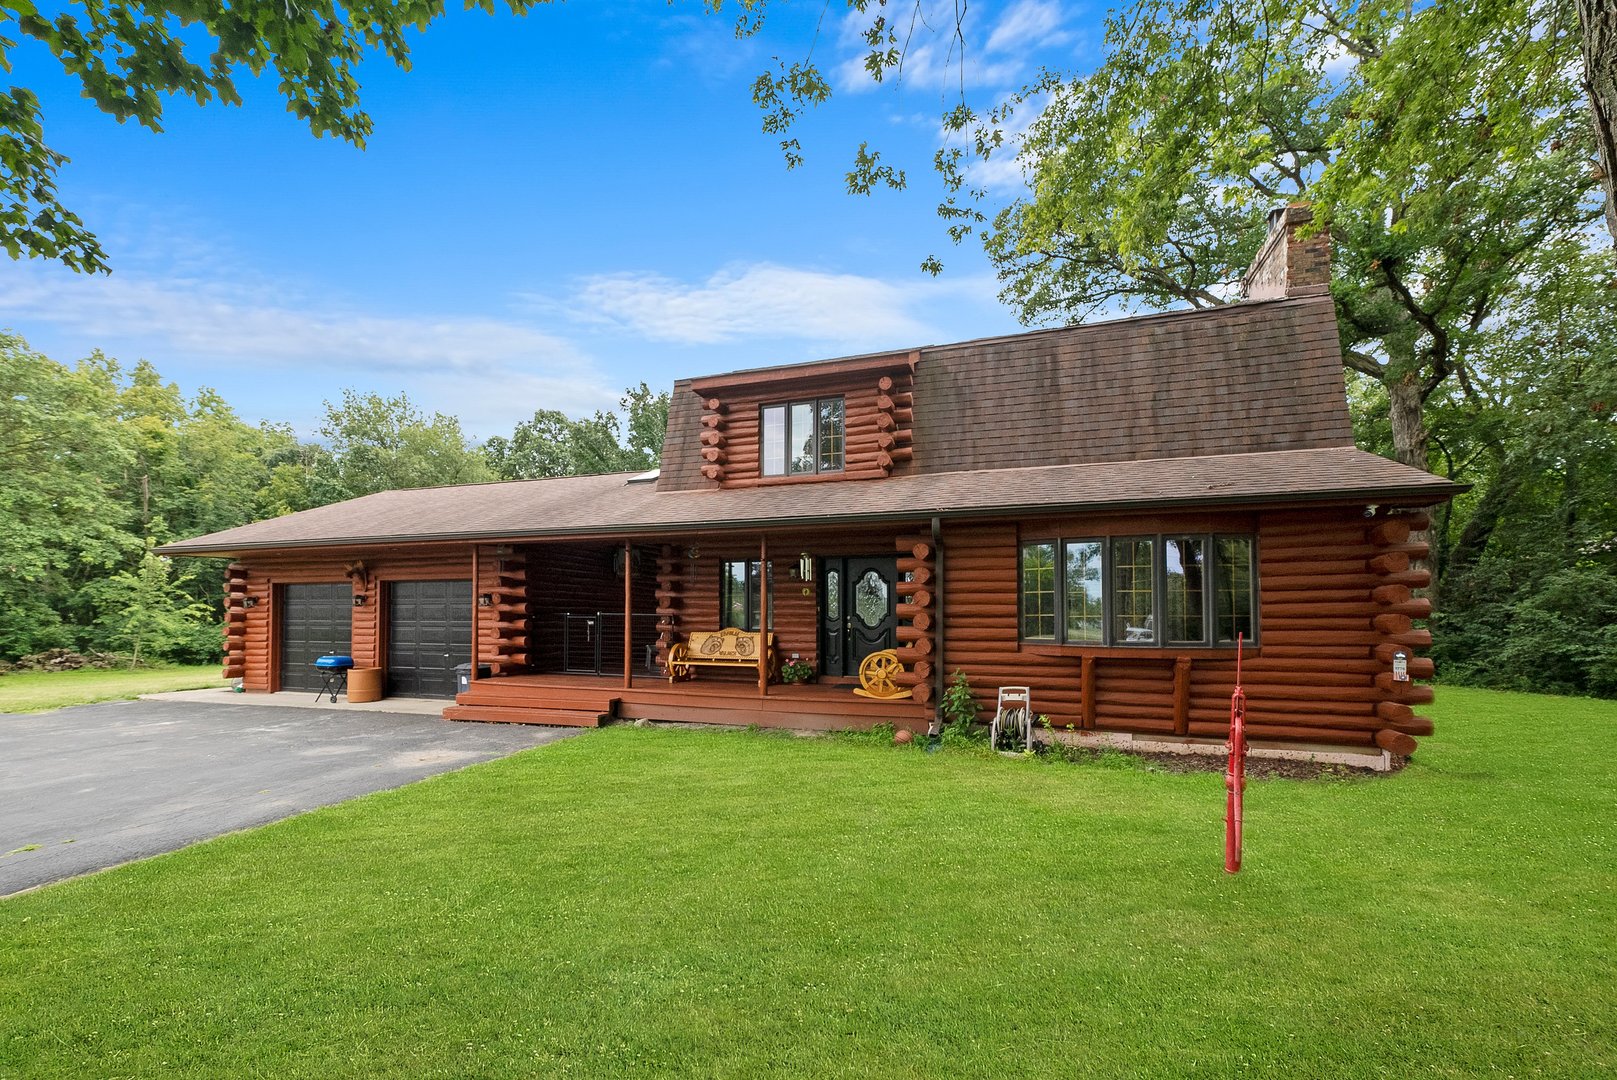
(1285,265)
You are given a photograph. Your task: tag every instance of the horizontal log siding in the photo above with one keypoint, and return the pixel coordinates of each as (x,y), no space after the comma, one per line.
(741,420)
(693,584)
(1315,677)
(260,650)
(797,621)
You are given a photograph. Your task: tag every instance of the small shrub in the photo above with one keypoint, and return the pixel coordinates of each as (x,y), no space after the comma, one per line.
(959,707)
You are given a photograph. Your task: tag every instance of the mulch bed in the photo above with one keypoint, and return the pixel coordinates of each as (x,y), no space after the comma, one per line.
(1257,768)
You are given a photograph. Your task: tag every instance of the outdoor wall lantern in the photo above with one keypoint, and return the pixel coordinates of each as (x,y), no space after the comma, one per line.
(249,601)
(693,553)
(485,600)
(359,599)
(805,567)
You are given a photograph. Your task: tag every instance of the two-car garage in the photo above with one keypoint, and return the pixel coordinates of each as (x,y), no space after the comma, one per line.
(428,623)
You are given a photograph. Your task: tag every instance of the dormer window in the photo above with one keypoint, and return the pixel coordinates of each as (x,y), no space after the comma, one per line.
(801,438)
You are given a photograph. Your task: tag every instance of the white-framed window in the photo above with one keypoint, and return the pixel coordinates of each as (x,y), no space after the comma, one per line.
(800,438)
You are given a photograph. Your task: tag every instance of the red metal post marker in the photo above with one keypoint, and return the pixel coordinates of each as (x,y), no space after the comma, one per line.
(1235,773)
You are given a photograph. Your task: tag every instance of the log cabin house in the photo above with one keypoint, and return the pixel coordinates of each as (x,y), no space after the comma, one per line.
(1093,511)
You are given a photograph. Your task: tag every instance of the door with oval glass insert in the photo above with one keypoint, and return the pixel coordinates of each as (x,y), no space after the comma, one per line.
(857,611)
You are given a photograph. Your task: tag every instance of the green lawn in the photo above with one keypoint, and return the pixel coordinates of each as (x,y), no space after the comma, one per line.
(36,691)
(736,905)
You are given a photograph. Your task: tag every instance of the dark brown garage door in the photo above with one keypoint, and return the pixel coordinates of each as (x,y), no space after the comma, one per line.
(429,631)
(315,620)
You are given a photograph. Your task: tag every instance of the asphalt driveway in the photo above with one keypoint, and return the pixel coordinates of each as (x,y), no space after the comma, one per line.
(89,787)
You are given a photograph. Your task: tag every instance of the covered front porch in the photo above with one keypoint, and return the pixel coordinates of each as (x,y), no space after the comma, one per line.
(589,700)
(574,631)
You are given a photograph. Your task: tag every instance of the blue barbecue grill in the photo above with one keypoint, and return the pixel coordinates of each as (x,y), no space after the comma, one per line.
(335,669)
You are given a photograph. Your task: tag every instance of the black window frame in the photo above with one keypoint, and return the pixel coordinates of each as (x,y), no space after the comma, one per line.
(815,406)
(1212,575)
(750,597)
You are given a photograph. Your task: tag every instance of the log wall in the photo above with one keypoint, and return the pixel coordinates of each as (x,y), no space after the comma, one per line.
(1335,603)
(1338,599)
(255,651)
(878,411)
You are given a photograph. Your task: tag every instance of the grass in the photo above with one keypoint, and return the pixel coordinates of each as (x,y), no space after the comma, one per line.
(37,691)
(735,905)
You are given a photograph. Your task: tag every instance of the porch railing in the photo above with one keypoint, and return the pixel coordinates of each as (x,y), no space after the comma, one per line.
(592,642)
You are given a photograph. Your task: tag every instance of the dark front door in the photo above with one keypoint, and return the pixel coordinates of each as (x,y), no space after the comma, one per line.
(858,604)
(429,632)
(315,620)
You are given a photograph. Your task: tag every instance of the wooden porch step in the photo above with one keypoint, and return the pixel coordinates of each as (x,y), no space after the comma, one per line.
(490,692)
(509,715)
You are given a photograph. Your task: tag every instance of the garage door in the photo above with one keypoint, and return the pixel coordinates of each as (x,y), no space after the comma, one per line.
(429,631)
(315,620)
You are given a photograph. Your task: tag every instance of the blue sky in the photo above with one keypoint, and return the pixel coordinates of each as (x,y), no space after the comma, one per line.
(550,209)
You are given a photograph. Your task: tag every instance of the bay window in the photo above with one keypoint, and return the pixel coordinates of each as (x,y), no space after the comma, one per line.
(1166,590)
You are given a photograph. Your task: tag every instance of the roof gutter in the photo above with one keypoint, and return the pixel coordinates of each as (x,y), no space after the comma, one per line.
(1429,493)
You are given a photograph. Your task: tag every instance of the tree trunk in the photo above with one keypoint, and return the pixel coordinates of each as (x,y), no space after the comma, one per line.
(1479,528)
(1408,426)
(1599,23)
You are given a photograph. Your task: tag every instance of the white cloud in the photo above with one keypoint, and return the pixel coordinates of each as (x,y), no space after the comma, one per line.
(759,300)
(1028,25)
(932,55)
(284,340)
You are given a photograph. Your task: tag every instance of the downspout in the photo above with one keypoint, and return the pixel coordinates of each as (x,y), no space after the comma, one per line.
(941,596)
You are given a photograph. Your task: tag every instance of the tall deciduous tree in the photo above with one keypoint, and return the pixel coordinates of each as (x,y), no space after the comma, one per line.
(1598,19)
(555,444)
(59,453)
(384,443)
(1441,145)
(147,608)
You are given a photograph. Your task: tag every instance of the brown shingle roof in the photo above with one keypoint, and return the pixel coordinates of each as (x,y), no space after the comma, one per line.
(1244,378)
(611,504)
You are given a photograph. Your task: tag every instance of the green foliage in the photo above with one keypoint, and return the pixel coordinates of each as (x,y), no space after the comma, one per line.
(796,671)
(1443,145)
(958,707)
(381,443)
(98,463)
(554,444)
(147,608)
(60,460)
(1558,633)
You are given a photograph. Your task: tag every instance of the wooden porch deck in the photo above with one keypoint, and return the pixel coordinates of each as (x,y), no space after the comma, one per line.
(589,700)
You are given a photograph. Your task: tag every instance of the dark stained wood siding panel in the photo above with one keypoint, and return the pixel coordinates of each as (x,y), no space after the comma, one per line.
(580,578)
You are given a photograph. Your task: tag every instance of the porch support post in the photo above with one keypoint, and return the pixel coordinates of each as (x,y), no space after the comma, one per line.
(763,616)
(477,615)
(628,615)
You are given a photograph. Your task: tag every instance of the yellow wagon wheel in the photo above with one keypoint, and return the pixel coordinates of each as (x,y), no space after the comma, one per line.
(877,673)
(677,669)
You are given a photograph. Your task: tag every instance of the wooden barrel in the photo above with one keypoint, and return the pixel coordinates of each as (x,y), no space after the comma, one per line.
(365,684)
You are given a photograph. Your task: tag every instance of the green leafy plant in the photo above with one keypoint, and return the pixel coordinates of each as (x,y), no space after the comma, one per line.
(796,671)
(959,707)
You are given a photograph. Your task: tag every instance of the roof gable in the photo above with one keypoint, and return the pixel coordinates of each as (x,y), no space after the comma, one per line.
(1254,377)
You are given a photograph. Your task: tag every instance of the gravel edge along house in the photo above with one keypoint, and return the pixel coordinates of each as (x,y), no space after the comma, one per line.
(1095,512)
